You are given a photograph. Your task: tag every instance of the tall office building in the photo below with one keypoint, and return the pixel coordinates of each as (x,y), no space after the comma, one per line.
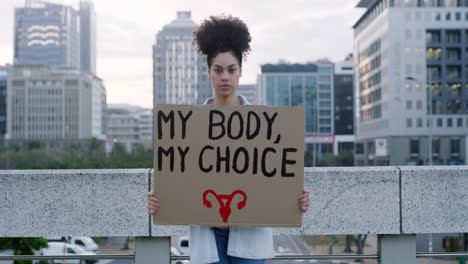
(46,104)
(87,36)
(309,85)
(411,82)
(47,33)
(343,104)
(179,72)
(4,74)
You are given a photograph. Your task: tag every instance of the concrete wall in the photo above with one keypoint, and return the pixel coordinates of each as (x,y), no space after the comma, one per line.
(374,200)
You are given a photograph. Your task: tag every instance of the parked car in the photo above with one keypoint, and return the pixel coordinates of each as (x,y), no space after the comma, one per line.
(6,252)
(86,242)
(67,249)
(183,245)
(176,252)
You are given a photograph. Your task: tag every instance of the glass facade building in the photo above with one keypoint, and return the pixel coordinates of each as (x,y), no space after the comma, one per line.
(308,85)
(47,33)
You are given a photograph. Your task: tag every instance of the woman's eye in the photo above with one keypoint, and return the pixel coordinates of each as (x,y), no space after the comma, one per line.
(218,71)
(232,70)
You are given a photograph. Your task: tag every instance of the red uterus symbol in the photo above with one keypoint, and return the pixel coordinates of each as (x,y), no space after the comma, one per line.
(224,201)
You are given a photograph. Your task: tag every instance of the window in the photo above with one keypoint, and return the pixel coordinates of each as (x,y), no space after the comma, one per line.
(414,146)
(453,54)
(409,104)
(454,146)
(439,122)
(454,72)
(433,72)
(436,89)
(407,51)
(459,122)
(453,36)
(438,107)
(449,106)
(457,106)
(434,54)
(409,123)
(448,16)
(454,89)
(433,37)
(419,122)
(419,104)
(359,148)
(435,146)
(449,122)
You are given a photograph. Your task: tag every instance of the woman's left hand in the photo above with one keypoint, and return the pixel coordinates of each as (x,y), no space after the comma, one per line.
(304,201)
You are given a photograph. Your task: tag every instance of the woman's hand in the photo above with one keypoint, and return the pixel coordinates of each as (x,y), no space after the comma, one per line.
(304,201)
(153,203)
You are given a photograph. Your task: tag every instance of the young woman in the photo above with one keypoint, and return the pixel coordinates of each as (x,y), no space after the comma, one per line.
(225,40)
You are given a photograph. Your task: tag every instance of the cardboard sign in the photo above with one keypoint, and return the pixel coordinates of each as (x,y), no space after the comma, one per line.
(229,165)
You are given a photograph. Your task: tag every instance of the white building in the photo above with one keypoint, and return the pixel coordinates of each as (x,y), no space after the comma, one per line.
(179,72)
(407,54)
(249,91)
(129,126)
(45,104)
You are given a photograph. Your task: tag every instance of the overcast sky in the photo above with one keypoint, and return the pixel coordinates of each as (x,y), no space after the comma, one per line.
(293,30)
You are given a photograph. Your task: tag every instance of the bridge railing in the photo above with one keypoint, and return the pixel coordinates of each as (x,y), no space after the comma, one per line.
(393,202)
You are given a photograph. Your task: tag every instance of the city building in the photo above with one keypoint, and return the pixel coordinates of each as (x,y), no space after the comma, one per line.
(249,91)
(4,73)
(45,104)
(411,82)
(87,36)
(309,85)
(179,72)
(47,33)
(343,105)
(128,125)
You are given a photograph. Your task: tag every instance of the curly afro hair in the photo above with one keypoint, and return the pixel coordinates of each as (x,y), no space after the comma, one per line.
(222,34)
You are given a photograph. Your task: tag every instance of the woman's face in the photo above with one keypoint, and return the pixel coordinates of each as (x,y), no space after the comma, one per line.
(224,74)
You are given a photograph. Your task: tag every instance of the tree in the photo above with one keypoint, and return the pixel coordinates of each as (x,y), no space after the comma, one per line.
(23,246)
(343,159)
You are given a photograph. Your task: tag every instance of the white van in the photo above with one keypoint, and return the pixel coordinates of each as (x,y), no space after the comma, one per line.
(86,242)
(61,248)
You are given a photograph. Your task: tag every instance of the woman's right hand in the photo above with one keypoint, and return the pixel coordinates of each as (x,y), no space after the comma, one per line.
(153,203)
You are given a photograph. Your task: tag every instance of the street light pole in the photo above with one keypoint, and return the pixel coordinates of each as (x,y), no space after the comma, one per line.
(428,86)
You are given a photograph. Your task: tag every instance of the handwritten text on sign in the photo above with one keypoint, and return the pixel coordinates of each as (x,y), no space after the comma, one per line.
(253,151)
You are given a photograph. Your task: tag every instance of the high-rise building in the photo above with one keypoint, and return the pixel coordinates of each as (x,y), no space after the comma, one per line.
(179,72)
(4,74)
(87,36)
(46,104)
(249,91)
(309,85)
(343,104)
(411,82)
(47,33)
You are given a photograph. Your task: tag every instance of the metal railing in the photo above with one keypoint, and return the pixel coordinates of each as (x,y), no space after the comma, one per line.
(278,257)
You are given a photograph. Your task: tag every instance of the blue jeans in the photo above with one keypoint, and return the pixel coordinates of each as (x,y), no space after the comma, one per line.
(222,237)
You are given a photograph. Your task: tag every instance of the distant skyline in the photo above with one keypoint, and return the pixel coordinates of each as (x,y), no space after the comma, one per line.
(294,30)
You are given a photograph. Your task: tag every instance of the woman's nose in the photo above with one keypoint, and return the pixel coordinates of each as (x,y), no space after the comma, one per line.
(225,77)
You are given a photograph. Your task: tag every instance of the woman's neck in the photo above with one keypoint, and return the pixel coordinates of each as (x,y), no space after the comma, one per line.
(228,100)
